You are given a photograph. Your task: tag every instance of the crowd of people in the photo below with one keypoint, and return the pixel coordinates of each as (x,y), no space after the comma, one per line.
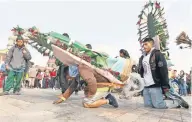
(152,68)
(181,82)
(36,78)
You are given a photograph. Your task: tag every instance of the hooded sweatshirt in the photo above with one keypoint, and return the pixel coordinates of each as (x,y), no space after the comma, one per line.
(16,60)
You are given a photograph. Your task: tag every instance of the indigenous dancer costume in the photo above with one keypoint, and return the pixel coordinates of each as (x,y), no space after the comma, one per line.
(99,82)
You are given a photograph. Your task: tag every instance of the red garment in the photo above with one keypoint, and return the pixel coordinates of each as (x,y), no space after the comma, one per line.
(1,81)
(39,76)
(53,74)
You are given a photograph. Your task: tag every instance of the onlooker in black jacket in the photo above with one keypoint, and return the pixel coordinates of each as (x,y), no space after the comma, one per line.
(153,69)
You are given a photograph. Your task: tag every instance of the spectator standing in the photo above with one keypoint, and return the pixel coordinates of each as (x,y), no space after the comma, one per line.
(174,82)
(46,79)
(183,84)
(53,75)
(39,78)
(1,80)
(4,71)
(26,80)
(16,63)
(188,80)
(32,76)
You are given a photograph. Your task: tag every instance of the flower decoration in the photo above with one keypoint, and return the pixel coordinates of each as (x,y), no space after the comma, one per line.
(139,22)
(157,5)
(17,31)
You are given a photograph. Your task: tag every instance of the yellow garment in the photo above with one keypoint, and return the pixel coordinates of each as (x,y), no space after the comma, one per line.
(27,76)
(104,89)
(127,70)
(170,74)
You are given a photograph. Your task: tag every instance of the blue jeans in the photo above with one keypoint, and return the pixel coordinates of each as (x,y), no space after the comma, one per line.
(52,82)
(183,89)
(153,97)
(45,83)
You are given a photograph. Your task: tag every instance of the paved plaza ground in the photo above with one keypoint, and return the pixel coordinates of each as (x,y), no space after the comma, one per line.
(35,105)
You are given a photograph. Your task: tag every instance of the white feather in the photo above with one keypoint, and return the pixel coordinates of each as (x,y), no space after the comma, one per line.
(38,46)
(48,41)
(71,42)
(34,44)
(47,51)
(134,82)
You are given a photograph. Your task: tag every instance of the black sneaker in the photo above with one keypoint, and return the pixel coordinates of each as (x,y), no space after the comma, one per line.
(179,106)
(183,103)
(112,100)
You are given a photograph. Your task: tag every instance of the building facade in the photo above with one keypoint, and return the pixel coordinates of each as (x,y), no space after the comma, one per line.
(3,55)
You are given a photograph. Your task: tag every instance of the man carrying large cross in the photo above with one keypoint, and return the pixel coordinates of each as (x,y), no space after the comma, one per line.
(97,91)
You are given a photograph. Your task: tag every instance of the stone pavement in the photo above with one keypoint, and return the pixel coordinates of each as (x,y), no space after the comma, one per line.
(35,105)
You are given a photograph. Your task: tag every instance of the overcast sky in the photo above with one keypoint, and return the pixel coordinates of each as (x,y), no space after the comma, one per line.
(107,25)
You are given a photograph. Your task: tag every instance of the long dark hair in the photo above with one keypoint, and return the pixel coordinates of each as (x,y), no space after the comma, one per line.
(66,34)
(125,53)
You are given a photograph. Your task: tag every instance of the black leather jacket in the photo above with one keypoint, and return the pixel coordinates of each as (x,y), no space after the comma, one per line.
(159,69)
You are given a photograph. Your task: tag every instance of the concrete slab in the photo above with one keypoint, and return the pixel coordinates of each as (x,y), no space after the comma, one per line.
(36,105)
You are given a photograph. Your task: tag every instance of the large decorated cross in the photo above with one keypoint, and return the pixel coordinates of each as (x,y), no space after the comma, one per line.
(152,24)
(43,42)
